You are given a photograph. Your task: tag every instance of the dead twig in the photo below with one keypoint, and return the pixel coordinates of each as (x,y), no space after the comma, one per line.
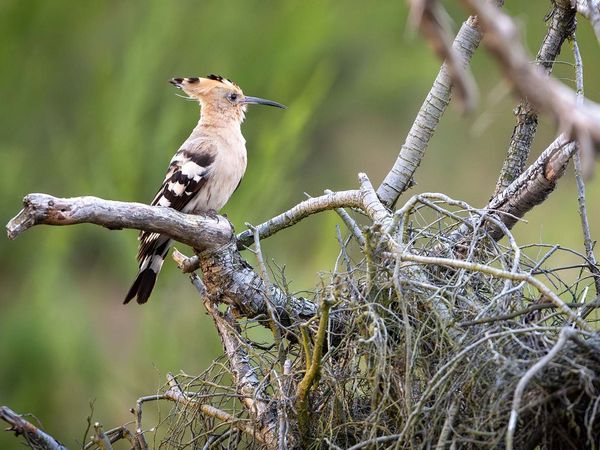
(579,178)
(100,438)
(541,287)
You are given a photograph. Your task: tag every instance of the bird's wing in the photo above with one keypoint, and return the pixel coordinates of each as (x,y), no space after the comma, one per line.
(188,172)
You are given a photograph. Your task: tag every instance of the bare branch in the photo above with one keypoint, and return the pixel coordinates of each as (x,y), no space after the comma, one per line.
(534,185)
(579,176)
(432,19)
(545,94)
(199,232)
(561,25)
(400,176)
(529,190)
(246,381)
(364,199)
(34,437)
(341,199)
(236,284)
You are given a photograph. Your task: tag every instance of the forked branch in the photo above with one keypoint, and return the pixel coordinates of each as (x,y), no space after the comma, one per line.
(561,25)
(580,121)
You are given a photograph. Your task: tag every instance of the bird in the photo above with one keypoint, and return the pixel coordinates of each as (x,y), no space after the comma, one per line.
(204,172)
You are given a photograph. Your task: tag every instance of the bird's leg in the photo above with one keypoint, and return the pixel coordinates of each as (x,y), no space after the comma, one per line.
(212,213)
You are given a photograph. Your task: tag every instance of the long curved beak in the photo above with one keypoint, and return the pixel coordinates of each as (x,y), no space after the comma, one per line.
(261,101)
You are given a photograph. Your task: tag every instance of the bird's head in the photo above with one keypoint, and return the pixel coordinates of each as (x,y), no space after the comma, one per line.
(219,96)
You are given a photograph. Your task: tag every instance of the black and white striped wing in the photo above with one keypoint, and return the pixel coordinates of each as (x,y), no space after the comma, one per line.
(188,172)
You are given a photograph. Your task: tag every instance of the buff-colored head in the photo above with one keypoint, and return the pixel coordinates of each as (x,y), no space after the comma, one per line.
(219,96)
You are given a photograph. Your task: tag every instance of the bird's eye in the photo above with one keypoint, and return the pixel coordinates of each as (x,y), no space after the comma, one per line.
(233,97)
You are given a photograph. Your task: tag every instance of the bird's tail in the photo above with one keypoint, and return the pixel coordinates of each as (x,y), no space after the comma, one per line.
(150,266)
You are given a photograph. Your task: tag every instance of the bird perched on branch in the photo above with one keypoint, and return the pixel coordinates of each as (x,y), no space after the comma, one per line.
(205,171)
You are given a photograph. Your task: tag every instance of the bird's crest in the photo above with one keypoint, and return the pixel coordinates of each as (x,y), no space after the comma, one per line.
(197,86)
(221,79)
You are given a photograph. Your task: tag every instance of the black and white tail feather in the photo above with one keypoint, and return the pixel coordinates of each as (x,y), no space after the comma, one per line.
(188,172)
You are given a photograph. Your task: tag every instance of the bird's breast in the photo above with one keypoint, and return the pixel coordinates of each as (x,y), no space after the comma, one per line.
(223,177)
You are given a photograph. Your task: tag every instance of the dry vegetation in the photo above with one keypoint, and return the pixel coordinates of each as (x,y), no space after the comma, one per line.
(435,329)
(426,355)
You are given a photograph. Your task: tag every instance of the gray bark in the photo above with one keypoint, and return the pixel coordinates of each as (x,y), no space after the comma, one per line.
(561,26)
(581,121)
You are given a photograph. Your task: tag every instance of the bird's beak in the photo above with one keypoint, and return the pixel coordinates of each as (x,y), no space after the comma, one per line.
(262,101)
(177,82)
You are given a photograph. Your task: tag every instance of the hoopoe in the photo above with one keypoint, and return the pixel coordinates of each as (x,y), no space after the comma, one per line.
(205,171)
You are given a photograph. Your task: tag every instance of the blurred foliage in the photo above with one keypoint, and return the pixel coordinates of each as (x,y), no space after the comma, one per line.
(86,110)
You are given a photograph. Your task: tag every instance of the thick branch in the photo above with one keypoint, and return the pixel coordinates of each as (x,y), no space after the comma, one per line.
(230,279)
(534,185)
(34,437)
(225,271)
(252,391)
(530,189)
(545,94)
(199,232)
(561,26)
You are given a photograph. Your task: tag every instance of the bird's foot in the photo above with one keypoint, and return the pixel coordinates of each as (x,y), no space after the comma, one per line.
(212,213)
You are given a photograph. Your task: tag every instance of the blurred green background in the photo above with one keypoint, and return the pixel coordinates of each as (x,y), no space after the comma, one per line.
(86,110)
